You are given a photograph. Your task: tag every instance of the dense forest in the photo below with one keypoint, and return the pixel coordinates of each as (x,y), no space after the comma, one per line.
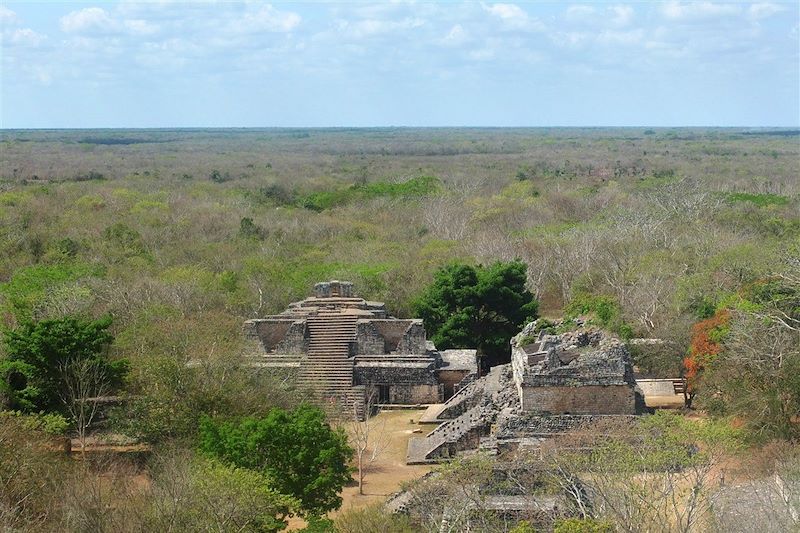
(157,244)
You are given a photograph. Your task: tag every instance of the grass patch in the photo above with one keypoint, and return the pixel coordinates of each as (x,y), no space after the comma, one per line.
(761,200)
(413,188)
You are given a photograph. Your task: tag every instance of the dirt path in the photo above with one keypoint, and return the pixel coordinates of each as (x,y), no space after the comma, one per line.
(389,471)
(386,474)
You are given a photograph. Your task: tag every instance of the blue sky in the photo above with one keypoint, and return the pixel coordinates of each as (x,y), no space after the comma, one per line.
(402,63)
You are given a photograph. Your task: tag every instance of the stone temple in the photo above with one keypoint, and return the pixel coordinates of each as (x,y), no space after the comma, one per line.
(555,383)
(344,348)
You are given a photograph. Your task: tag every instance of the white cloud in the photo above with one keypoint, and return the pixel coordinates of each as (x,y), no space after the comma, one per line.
(360,29)
(513,16)
(507,11)
(698,10)
(580,13)
(140,27)
(456,36)
(266,19)
(625,38)
(764,10)
(25,37)
(42,75)
(11,34)
(617,16)
(570,39)
(484,54)
(88,19)
(621,15)
(7,17)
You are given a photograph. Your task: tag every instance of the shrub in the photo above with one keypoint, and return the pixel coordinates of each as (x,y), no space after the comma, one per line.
(761,200)
(415,187)
(706,344)
(603,309)
(249,229)
(29,286)
(373,518)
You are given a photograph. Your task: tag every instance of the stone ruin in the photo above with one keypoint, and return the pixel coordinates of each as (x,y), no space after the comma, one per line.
(555,383)
(345,348)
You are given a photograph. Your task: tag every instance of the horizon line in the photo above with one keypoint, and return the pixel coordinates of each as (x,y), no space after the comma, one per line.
(637,126)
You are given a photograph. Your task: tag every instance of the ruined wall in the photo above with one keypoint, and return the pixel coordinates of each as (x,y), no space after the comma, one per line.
(412,339)
(368,339)
(388,373)
(519,361)
(449,379)
(333,288)
(271,332)
(656,387)
(407,384)
(582,400)
(296,339)
(532,425)
(276,335)
(379,336)
(412,394)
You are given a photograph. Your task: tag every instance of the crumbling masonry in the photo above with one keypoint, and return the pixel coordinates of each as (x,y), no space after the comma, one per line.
(340,346)
(554,383)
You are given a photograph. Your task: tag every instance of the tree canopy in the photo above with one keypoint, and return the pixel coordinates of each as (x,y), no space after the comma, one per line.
(297,450)
(38,352)
(479,307)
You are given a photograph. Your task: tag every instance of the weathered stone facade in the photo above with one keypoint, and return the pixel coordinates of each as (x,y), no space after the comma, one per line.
(582,372)
(554,384)
(341,346)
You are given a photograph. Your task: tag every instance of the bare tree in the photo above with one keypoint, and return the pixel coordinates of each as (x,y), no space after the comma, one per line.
(625,478)
(447,216)
(368,436)
(768,498)
(84,383)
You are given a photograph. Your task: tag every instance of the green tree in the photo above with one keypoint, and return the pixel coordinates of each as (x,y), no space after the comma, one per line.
(477,307)
(37,353)
(297,450)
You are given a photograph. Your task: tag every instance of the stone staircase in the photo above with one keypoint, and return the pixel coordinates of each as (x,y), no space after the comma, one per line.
(470,414)
(461,433)
(328,368)
(679,385)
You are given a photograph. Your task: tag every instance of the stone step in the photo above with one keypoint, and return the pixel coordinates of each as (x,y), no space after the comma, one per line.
(329,373)
(327,385)
(337,347)
(327,367)
(325,375)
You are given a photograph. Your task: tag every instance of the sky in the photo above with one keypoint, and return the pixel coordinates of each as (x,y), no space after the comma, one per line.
(165,63)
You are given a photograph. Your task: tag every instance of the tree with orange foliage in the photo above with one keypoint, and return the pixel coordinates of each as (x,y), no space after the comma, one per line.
(706,344)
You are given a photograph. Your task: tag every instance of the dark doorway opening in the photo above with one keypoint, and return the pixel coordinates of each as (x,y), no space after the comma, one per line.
(383,393)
